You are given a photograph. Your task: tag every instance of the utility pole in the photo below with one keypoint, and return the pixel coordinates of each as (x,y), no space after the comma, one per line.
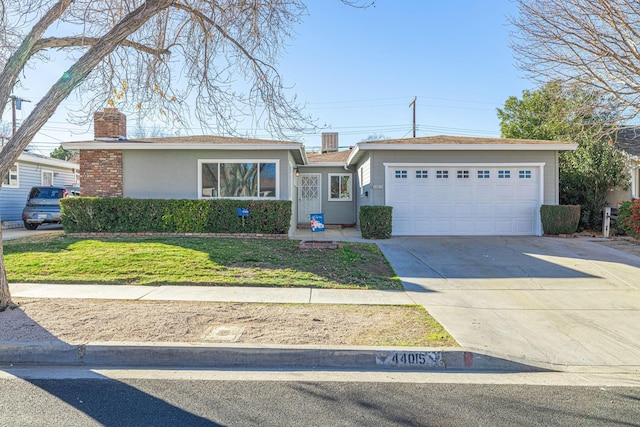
(413,104)
(16,104)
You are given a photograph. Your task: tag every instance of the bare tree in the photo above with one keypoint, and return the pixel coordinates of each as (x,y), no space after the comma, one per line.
(589,42)
(135,53)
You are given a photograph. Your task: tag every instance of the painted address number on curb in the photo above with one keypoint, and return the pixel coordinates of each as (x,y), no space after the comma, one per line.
(410,359)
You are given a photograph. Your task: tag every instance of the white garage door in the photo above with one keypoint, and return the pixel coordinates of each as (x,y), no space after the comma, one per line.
(464,200)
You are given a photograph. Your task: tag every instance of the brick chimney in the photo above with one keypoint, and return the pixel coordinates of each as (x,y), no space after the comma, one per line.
(109,124)
(101,169)
(329,142)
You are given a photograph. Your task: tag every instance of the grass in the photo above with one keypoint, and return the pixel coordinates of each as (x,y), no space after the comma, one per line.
(195,261)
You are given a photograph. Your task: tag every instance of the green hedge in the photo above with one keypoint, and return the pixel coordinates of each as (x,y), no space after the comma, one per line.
(375,222)
(560,219)
(123,215)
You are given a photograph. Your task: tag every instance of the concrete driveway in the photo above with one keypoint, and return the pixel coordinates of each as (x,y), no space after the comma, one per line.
(571,303)
(16,233)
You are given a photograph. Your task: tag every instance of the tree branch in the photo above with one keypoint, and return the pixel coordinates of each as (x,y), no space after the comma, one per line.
(64,42)
(19,58)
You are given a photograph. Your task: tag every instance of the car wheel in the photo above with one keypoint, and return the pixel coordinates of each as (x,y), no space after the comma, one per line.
(30,225)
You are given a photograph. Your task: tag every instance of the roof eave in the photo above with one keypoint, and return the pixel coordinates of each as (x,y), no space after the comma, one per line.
(26,157)
(120,145)
(467,147)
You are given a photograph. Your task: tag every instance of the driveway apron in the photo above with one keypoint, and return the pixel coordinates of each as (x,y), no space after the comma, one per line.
(572,303)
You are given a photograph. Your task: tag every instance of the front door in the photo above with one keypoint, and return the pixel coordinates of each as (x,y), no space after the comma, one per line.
(309,196)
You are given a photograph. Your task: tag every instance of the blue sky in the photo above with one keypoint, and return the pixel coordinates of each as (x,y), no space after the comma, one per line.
(357,71)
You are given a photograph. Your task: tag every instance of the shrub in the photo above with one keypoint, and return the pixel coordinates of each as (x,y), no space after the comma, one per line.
(624,212)
(124,215)
(628,221)
(375,222)
(560,219)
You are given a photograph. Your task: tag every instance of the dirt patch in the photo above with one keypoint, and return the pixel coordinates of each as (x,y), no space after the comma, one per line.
(76,321)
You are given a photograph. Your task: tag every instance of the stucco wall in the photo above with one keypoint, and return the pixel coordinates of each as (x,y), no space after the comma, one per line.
(373,189)
(335,212)
(173,174)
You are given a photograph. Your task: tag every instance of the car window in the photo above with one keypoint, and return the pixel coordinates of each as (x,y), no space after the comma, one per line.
(46,193)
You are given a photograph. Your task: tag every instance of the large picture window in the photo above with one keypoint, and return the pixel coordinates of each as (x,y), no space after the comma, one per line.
(11,179)
(340,187)
(231,179)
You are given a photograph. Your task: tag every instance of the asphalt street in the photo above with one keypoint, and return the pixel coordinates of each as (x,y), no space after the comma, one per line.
(198,398)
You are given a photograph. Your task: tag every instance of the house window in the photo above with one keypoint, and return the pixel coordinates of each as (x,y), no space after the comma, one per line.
(340,187)
(483,174)
(524,174)
(504,174)
(231,179)
(400,174)
(11,179)
(422,174)
(442,174)
(463,174)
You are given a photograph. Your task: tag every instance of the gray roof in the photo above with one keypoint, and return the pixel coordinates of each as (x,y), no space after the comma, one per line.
(628,140)
(329,157)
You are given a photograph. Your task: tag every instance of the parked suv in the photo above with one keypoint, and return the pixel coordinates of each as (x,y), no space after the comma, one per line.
(43,205)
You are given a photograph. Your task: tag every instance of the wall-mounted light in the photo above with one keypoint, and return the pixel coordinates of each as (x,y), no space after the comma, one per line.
(296,171)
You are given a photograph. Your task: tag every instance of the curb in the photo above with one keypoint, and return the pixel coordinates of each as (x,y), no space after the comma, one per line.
(180,355)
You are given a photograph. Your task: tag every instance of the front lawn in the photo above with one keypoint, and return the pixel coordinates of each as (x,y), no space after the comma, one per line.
(196,261)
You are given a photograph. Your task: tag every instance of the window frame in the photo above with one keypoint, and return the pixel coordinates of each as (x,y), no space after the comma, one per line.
(276,196)
(340,175)
(401,174)
(16,183)
(525,174)
(47,172)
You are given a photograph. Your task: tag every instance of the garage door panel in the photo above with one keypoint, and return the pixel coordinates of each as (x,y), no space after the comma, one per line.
(441,193)
(523,227)
(463,191)
(462,210)
(402,227)
(464,227)
(523,210)
(486,201)
(504,226)
(483,226)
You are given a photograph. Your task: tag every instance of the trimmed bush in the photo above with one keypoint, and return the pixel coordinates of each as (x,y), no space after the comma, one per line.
(123,215)
(375,222)
(560,219)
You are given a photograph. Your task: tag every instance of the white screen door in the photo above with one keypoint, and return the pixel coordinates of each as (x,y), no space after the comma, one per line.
(309,196)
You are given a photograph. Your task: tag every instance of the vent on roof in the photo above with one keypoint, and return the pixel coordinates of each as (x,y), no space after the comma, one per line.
(329,142)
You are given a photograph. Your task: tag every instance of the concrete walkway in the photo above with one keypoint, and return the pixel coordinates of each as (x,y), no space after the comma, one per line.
(212,293)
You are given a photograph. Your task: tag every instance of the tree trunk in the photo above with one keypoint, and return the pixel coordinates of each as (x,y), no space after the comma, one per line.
(61,89)
(5,294)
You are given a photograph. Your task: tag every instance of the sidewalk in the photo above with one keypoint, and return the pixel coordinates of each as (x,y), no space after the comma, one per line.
(201,355)
(212,294)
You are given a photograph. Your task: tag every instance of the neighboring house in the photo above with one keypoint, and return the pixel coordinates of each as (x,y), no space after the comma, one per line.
(31,170)
(628,140)
(441,185)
